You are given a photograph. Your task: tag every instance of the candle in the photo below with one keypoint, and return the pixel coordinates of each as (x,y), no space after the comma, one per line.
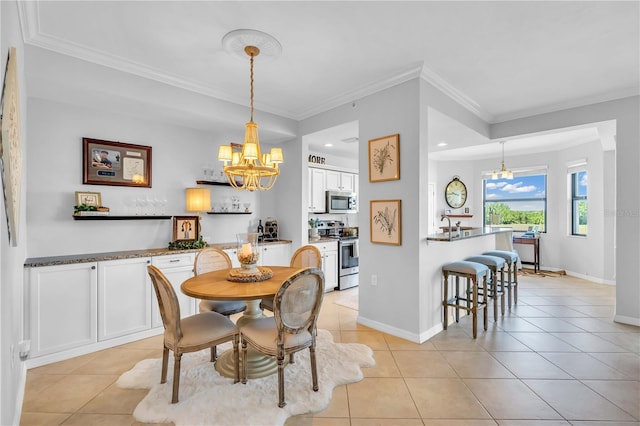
(246,249)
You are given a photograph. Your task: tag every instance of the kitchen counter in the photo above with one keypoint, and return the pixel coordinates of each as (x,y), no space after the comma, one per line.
(129,254)
(467,233)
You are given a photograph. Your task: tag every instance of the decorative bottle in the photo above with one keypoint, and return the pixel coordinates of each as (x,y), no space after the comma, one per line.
(260,230)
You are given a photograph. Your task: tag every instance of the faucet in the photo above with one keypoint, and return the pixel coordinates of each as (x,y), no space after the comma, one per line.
(443,217)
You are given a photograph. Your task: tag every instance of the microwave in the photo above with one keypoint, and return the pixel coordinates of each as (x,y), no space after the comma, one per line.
(341,202)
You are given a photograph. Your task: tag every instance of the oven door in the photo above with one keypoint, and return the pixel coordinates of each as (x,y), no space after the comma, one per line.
(348,262)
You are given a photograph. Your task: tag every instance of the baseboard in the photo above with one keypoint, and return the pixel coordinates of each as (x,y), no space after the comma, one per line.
(22,384)
(591,278)
(627,320)
(385,328)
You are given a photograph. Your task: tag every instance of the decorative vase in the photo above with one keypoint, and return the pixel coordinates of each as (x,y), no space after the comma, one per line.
(313,234)
(248,252)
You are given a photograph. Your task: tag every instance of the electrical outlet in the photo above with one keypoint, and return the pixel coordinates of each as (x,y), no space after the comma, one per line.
(374,280)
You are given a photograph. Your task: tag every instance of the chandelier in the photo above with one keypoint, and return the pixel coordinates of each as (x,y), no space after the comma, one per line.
(250,169)
(504,173)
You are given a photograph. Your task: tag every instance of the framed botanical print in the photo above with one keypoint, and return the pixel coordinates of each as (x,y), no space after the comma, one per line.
(384,158)
(186,228)
(385,221)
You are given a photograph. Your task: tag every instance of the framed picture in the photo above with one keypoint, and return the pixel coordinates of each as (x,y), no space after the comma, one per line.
(88,198)
(11,147)
(385,220)
(186,228)
(384,158)
(116,163)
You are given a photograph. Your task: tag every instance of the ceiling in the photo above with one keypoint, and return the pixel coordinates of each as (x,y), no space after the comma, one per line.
(501,60)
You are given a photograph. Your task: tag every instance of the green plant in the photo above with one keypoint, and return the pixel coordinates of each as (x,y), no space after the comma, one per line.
(84,208)
(187,245)
(313,222)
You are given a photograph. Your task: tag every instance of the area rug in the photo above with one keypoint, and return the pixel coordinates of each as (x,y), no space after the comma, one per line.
(541,273)
(206,398)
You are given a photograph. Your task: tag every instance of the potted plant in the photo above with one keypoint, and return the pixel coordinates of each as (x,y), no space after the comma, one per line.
(313,225)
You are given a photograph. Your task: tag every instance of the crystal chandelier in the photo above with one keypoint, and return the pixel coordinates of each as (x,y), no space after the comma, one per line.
(504,173)
(250,169)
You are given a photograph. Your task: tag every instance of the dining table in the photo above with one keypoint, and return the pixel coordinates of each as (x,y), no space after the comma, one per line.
(215,286)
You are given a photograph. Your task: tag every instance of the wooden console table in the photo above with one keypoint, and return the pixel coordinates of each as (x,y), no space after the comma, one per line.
(536,251)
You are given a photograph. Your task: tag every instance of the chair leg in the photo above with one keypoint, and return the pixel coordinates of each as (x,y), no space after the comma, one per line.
(176,376)
(474,308)
(515,283)
(244,361)
(486,305)
(165,363)
(214,354)
(236,359)
(445,301)
(281,402)
(314,370)
(494,292)
(510,284)
(291,358)
(502,291)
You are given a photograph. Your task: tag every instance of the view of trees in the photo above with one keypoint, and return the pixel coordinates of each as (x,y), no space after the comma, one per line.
(502,214)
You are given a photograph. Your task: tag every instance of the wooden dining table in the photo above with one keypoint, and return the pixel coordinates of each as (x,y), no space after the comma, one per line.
(215,286)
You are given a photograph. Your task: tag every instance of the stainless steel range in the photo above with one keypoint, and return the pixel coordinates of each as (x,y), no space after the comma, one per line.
(348,270)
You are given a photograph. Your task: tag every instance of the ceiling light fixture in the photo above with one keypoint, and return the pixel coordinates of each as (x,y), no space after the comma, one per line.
(504,173)
(250,169)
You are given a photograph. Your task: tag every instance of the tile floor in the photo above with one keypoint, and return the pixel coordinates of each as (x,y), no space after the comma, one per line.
(555,359)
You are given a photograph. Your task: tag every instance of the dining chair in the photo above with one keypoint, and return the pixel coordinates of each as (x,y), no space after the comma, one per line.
(189,334)
(213,259)
(292,327)
(305,257)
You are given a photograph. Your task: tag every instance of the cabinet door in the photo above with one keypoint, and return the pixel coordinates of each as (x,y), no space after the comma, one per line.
(348,182)
(233,255)
(332,180)
(177,268)
(275,255)
(62,304)
(124,297)
(317,191)
(330,269)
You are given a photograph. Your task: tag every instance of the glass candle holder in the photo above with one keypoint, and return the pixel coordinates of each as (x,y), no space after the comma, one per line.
(248,251)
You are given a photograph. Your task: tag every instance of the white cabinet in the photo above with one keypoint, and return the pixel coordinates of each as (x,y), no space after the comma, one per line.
(233,255)
(340,181)
(177,268)
(124,297)
(275,254)
(317,190)
(62,303)
(329,254)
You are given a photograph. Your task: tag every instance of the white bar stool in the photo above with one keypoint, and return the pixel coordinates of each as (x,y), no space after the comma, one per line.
(511,258)
(473,272)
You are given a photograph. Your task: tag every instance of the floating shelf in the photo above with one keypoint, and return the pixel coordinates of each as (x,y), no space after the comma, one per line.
(229,212)
(459,215)
(210,182)
(109,217)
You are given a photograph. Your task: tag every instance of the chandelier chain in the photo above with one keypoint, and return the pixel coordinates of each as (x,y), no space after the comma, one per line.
(251,90)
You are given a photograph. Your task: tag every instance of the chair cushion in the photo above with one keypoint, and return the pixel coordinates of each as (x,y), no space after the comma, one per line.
(466,267)
(202,328)
(491,261)
(263,334)
(508,256)
(224,307)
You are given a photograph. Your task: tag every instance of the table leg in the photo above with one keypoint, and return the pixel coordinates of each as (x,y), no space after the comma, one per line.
(258,365)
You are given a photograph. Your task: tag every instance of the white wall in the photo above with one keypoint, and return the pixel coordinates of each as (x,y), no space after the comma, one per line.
(12,372)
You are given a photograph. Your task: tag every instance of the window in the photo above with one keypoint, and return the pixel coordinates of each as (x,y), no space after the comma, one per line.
(579,203)
(519,203)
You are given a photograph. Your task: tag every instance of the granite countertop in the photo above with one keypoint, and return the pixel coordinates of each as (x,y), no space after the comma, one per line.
(129,254)
(467,233)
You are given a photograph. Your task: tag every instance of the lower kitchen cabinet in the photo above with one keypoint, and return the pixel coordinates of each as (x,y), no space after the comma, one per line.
(62,307)
(329,254)
(233,255)
(124,297)
(177,268)
(275,254)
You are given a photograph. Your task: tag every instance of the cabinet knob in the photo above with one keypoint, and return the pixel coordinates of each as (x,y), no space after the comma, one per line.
(93,267)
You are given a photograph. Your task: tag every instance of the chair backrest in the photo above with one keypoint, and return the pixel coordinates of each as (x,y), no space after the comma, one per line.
(306,257)
(211,259)
(297,302)
(167,301)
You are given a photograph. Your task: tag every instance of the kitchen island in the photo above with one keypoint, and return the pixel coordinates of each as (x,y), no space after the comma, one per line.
(467,233)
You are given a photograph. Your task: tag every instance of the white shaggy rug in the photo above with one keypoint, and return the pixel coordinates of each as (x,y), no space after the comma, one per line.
(206,398)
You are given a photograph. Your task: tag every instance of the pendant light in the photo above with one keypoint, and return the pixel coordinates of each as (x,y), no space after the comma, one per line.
(504,173)
(250,169)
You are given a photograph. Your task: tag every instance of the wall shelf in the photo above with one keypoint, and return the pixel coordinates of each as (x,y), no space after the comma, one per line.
(229,212)
(458,215)
(210,182)
(109,217)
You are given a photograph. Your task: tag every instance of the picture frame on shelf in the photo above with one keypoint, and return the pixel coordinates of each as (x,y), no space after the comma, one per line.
(186,228)
(384,158)
(115,163)
(385,221)
(88,198)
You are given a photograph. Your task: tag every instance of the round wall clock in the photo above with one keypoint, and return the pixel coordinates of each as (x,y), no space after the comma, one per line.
(455,193)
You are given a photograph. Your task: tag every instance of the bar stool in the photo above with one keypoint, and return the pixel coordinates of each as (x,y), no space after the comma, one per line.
(511,258)
(495,264)
(473,272)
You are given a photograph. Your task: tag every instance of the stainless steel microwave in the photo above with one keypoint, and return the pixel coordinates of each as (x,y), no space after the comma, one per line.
(341,202)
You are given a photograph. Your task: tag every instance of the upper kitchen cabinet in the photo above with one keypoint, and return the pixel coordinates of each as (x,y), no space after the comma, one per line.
(340,181)
(317,188)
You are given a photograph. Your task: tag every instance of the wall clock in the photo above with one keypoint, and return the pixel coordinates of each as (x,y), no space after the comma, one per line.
(455,193)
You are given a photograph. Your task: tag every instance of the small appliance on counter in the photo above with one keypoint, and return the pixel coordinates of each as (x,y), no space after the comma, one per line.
(270,230)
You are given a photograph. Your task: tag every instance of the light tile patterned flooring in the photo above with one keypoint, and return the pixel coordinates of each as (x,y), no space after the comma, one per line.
(555,359)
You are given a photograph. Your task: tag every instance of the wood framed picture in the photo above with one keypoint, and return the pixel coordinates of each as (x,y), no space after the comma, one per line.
(116,163)
(186,228)
(385,221)
(88,198)
(384,158)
